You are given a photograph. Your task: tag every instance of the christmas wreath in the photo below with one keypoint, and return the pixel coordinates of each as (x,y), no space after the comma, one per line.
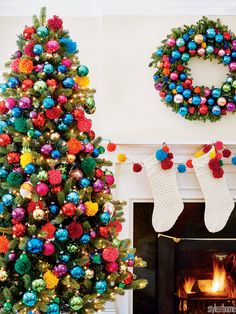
(206,39)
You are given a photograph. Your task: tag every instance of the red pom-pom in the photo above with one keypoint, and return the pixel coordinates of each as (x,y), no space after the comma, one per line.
(110,254)
(54,177)
(28,50)
(165,148)
(84,125)
(75,230)
(111,147)
(51,83)
(219,145)
(116,225)
(189,163)
(39,121)
(3,107)
(226,153)
(78,114)
(49,229)
(19,230)
(104,232)
(214,164)
(55,23)
(56,188)
(166,164)
(207,148)
(219,156)
(53,113)
(13,157)
(32,205)
(137,167)
(170,156)
(218,173)
(5,139)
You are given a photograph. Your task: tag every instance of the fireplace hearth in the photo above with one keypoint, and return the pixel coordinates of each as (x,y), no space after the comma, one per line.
(190,270)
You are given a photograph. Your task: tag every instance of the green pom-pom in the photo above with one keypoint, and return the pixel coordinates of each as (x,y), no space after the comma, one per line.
(20,125)
(88,165)
(15,179)
(22,265)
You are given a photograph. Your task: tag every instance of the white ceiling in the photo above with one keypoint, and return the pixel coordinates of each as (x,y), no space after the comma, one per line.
(99,8)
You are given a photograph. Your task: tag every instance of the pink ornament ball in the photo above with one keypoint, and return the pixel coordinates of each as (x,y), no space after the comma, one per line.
(48,249)
(82,208)
(88,148)
(62,99)
(111,267)
(33,114)
(60,270)
(203,100)
(10,103)
(42,189)
(67,62)
(174,76)
(46,149)
(25,102)
(171,41)
(109,179)
(232,66)
(15,65)
(130,263)
(234,43)
(207,91)
(92,234)
(52,46)
(201,51)
(230,107)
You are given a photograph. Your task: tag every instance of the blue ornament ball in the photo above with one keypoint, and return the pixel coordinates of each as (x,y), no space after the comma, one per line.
(73,197)
(56,154)
(95,153)
(216,92)
(3,173)
(219,38)
(211,101)
(85,238)
(30,168)
(172,86)
(29,298)
(168,98)
(3,125)
(53,308)
(7,199)
(181,168)
(61,68)
(48,102)
(16,112)
(68,82)
(101,286)
(34,245)
(105,217)
(211,33)
(3,87)
(186,37)
(68,118)
(187,93)
(61,234)
(182,77)
(38,49)
(161,154)
(175,54)
(196,100)
(226,59)
(64,258)
(42,31)
(183,111)
(62,127)
(192,45)
(48,68)
(77,272)
(13,82)
(233,160)
(84,182)
(159,53)
(53,208)
(216,110)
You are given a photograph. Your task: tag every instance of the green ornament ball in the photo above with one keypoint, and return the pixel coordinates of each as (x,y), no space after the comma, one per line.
(96,259)
(42,31)
(116,242)
(38,285)
(7,306)
(82,70)
(31,133)
(40,86)
(234,84)
(72,248)
(20,124)
(76,303)
(15,179)
(90,102)
(121,285)
(226,88)
(101,149)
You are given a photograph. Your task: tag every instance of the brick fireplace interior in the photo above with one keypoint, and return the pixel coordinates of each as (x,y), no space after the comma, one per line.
(189,269)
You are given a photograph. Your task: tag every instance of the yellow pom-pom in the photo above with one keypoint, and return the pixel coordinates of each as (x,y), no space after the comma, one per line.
(204,45)
(50,279)
(25,159)
(174,91)
(212,154)
(82,81)
(199,154)
(92,208)
(121,157)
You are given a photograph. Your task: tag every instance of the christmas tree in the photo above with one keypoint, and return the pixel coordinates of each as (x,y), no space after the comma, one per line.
(60,250)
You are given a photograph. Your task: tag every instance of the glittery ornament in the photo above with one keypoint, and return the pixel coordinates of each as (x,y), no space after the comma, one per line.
(101,286)
(76,303)
(38,285)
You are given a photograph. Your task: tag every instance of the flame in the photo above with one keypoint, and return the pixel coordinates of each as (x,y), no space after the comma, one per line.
(219,278)
(188,284)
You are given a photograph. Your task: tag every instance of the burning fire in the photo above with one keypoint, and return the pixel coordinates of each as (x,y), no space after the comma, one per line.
(219,278)
(188,284)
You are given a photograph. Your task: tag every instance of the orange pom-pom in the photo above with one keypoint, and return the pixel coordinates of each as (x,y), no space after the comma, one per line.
(26,66)
(74,146)
(189,163)
(111,147)
(165,148)
(4,244)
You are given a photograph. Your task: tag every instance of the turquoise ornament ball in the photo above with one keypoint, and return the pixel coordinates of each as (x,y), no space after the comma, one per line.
(42,31)
(216,110)
(101,286)
(180,42)
(82,70)
(29,298)
(183,111)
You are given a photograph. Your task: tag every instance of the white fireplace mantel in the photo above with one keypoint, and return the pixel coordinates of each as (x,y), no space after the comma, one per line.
(135,187)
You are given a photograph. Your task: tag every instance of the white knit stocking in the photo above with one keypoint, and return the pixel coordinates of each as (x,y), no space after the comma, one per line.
(168,204)
(218,201)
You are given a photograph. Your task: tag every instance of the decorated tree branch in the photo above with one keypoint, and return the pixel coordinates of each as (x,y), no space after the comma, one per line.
(60,250)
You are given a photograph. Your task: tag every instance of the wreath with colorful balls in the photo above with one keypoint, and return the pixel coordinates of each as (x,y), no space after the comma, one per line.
(206,39)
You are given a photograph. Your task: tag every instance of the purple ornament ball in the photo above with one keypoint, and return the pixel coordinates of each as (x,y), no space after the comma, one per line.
(230,107)
(33,114)
(18,213)
(158,86)
(18,54)
(12,256)
(46,149)
(98,186)
(60,270)
(25,103)
(82,208)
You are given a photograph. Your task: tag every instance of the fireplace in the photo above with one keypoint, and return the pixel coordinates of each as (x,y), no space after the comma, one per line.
(189,269)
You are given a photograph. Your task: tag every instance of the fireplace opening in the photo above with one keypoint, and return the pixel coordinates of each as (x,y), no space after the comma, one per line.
(190,270)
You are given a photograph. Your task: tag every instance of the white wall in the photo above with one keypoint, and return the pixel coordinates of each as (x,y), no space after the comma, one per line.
(118,50)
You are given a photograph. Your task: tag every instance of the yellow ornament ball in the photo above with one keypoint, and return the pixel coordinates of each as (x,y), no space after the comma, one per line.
(82,81)
(26,190)
(38,214)
(25,159)
(221,101)
(198,39)
(71,158)
(121,157)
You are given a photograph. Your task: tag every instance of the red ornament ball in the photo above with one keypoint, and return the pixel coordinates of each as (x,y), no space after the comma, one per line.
(104,232)
(137,167)
(111,147)
(3,108)
(111,267)
(27,84)
(5,139)
(110,254)
(99,173)
(128,280)
(78,114)
(191,110)
(39,121)
(219,145)
(75,230)
(203,109)
(48,249)
(226,153)
(28,33)
(109,179)
(68,209)
(42,189)
(51,83)
(92,135)
(18,230)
